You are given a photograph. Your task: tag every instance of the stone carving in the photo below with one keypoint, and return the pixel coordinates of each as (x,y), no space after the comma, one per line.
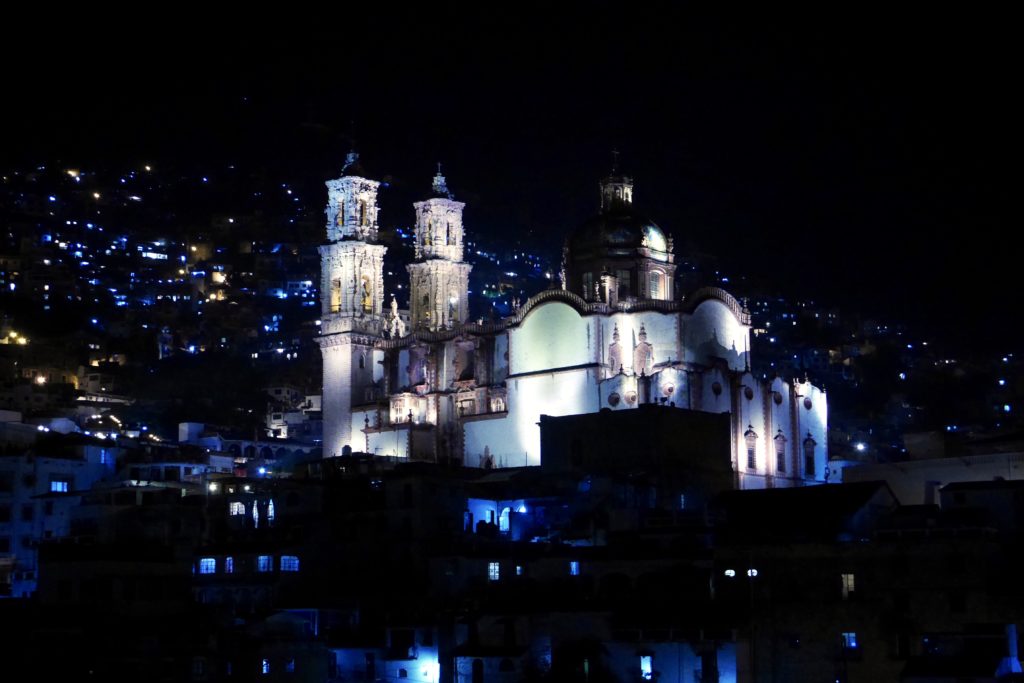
(615,352)
(643,355)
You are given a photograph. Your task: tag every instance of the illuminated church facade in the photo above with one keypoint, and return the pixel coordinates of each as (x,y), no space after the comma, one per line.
(428,384)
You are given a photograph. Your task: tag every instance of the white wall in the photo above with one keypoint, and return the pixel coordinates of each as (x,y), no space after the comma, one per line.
(713,331)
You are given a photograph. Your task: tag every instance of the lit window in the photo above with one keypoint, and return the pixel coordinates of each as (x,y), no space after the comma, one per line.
(207,565)
(850,640)
(646,668)
(849,585)
(493,571)
(270,511)
(503,520)
(265,563)
(236,508)
(265,667)
(519,570)
(255,515)
(59,485)
(289,667)
(730,573)
(751,573)
(289,563)
(656,280)
(574,568)
(682,501)
(229,565)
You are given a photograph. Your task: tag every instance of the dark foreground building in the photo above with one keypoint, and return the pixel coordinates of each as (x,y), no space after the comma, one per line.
(628,556)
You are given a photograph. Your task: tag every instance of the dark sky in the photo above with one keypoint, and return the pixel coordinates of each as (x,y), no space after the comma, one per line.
(862,160)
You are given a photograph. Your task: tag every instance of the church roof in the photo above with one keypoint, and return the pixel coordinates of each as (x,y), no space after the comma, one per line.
(618,231)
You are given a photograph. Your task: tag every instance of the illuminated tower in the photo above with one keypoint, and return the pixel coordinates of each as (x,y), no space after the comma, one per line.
(439,279)
(352,297)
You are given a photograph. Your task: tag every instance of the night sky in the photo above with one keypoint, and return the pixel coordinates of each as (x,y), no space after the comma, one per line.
(864,161)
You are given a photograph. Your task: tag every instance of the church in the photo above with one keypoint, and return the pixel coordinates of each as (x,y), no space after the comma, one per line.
(429,384)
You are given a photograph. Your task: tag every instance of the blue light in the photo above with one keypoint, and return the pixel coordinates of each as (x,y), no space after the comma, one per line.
(52,198)
(262,471)
(1006,407)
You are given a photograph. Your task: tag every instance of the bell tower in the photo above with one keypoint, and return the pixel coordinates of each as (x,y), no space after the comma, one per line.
(351,300)
(438,279)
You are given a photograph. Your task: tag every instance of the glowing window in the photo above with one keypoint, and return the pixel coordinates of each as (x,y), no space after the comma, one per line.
(255,515)
(60,485)
(503,519)
(264,563)
(850,640)
(270,511)
(493,571)
(574,568)
(236,508)
(265,667)
(849,585)
(646,667)
(657,277)
(229,565)
(207,565)
(519,570)
(289,563)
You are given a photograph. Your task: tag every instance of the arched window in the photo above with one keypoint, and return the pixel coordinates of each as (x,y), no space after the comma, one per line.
(780,452)
(750,436)
(335,295)
(809,444)
(657,284)
(362,213)
(366,294)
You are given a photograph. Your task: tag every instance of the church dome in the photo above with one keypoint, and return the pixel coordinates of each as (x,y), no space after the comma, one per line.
(619,254)
(618,232)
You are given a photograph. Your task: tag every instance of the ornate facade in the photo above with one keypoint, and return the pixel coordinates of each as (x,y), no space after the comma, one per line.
(615,336)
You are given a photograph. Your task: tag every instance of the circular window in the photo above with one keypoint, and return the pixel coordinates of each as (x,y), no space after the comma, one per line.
(777,397)
(748,392)
(807,403)
(613,399)
(668,390)
(630,397)
(716,389)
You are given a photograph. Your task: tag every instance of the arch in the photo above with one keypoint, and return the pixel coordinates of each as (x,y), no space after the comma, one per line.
(703,294)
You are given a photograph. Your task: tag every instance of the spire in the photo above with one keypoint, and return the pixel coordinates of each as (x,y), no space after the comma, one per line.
(440,185)
(353,166)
